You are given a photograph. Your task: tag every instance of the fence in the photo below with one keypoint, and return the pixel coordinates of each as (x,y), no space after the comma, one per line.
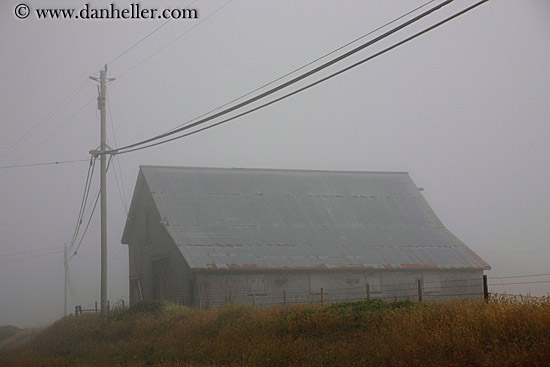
(78,310)
(418,291)
(391,289)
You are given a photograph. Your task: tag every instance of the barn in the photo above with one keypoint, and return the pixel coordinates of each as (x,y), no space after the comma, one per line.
(207,237)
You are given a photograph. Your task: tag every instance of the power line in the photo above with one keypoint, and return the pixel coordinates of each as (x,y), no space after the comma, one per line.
(137,43)
(89,219)
(70,119)
(86,228)
(135,148)
(308,64)
(120,193)
(53,250)
(141,40)
(294,80)
(147,36)
(52,134)
(83,202)
(144,38)
(174,40)
(42,121)
(45,163)
(123,193)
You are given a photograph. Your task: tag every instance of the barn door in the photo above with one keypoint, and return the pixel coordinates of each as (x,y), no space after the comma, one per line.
(160,280)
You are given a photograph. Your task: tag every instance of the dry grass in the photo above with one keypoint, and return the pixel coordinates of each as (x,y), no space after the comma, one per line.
(502,332)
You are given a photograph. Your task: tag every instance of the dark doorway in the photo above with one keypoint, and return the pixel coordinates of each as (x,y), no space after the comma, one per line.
(160,280)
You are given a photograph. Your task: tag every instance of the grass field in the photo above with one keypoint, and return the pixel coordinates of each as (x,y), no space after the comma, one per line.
(501,332)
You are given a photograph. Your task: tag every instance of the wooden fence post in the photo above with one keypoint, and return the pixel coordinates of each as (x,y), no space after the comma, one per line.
(253,300)
(485,288)
(95,306)
(122,304)
(284,297)
(368,292)
(419,290)
(322,297)
(76,310)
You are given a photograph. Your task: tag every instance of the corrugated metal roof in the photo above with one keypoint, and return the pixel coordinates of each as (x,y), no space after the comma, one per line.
(288,219)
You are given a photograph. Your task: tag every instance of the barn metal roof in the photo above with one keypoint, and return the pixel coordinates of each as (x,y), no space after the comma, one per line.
(289,219)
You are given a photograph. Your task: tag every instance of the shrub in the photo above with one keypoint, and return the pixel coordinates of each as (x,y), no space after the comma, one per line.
(372,305)
(151,308)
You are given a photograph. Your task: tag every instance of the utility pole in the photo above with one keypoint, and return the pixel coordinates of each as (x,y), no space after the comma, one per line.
(66,263)
(101,106)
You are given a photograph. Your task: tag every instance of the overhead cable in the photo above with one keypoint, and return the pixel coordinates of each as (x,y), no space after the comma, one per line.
(120,186)
(146,36)
(83,202)
(44,120)
(308,64)
(53,249)
(74,253)
(290,82)
(174,40)
(36,146)
(45,163)
(135,146)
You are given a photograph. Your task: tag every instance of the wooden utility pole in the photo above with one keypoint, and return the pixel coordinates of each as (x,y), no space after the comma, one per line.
(66,264)
(103,173)
(101,106)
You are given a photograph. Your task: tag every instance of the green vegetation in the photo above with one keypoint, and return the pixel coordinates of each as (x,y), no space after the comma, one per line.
(501,332)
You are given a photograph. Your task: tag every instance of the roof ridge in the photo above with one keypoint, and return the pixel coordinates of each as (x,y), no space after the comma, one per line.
(270,169)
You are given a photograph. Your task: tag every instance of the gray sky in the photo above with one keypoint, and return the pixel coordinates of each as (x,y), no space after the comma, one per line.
(464,109)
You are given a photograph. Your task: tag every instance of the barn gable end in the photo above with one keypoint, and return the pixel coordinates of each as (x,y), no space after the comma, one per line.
(157,270)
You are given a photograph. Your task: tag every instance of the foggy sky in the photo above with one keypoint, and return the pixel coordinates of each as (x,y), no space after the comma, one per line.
(464,109)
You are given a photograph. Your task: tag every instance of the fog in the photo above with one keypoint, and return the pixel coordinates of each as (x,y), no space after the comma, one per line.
(464,109)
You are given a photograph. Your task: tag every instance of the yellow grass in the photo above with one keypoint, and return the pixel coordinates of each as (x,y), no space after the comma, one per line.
(502,332)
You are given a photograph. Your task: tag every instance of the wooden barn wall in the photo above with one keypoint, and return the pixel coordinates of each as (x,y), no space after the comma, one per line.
(218,289)
(151,242)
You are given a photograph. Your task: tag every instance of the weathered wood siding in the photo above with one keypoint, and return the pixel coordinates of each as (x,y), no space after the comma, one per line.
(218,289)
(151,242)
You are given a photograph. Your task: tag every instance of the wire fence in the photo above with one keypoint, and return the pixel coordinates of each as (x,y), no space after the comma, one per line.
(391,289)
(284,298)
(96,308)
(387,289)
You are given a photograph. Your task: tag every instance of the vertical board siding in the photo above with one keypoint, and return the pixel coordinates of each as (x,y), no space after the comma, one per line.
(151,241)
(217,290)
